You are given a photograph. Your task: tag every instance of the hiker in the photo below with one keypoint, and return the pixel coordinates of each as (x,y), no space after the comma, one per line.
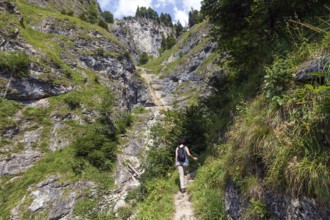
(181,161)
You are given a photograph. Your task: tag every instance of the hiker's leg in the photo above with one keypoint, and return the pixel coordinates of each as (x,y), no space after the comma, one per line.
(182,179)
(185,166)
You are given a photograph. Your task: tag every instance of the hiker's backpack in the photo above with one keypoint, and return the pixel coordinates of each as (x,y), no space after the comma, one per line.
(182,154)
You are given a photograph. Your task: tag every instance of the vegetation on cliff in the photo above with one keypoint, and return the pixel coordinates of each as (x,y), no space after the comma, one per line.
(267,126)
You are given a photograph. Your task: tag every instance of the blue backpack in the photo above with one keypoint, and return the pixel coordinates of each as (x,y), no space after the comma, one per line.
(182,155)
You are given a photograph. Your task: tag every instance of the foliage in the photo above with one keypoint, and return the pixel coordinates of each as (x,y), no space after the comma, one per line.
(15,63)
(70,12)
(97,149)
(195,17)
(8,107)
(149,13)
(108,16)
(63,12)
(207,190)
(144,58)
(167,42)
(143,12)
(91,15)
(250,30)
(72,100)
(103,24)
(257,210)
(277,79)
(178,29)
(166,19)
(158,203)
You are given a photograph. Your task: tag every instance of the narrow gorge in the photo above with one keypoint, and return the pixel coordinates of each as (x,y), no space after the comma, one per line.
(91,111)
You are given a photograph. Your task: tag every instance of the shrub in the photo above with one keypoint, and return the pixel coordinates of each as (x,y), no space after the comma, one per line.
(8,107)
(103,24)
(16,63)
(97,149)
(143,58)
(73,101)
(108,16)
(83,17)
(70,13)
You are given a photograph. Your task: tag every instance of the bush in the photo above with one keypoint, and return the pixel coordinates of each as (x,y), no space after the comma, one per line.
(103,24)
(83,17)
(70,13)
(108,16)
(73,101)
(15,63)
(143,58)
(97,149)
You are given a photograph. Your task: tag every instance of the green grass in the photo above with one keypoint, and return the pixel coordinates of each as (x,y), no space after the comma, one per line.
(58,162)
(207,190)
(159,203)
(155,65)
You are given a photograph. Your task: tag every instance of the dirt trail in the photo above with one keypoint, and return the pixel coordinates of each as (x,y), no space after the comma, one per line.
(183,206)
(155,96)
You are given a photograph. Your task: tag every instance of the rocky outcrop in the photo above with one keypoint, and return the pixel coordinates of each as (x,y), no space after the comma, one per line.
(51,199)
(33,89)
(141,35)
(18,162)
(279,206)
(191,76)
(129,89)
(308,72)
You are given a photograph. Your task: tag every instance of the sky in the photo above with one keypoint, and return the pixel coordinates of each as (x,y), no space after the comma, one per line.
(177,9)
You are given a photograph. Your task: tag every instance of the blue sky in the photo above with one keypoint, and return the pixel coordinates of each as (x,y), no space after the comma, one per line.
(177,9)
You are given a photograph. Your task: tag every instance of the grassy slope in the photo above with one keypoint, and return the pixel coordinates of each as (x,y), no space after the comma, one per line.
(280,144)
(190,94)
(159,202)
(88,97)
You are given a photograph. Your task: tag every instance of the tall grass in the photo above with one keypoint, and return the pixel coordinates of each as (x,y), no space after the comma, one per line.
(159,202)
(207,191)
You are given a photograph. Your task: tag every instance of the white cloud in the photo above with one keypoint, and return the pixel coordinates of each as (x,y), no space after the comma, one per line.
(104,3)
(181,15)
(177,9)
(188,4)
(163,3)
(128,7)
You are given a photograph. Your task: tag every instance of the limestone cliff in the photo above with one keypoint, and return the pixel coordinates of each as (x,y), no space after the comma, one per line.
(141,35)
(58,70)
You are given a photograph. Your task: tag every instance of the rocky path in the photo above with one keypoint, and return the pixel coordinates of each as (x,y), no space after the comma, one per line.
(154,94)
(134,143)
(183,206)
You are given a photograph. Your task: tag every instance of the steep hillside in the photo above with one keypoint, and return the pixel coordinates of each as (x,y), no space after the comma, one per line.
(184,73)
(262,130)
(78,7)
(66,87)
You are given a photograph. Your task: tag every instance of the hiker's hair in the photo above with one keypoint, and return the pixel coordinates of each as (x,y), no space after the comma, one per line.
(181,141)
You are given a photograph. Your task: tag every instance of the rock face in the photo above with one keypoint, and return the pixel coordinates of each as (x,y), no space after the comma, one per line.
(128,88)
(74,57)
(52,196)
(141,35)
(33,89)
(18,162)
(305,74)
(196,65)
(279,206)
